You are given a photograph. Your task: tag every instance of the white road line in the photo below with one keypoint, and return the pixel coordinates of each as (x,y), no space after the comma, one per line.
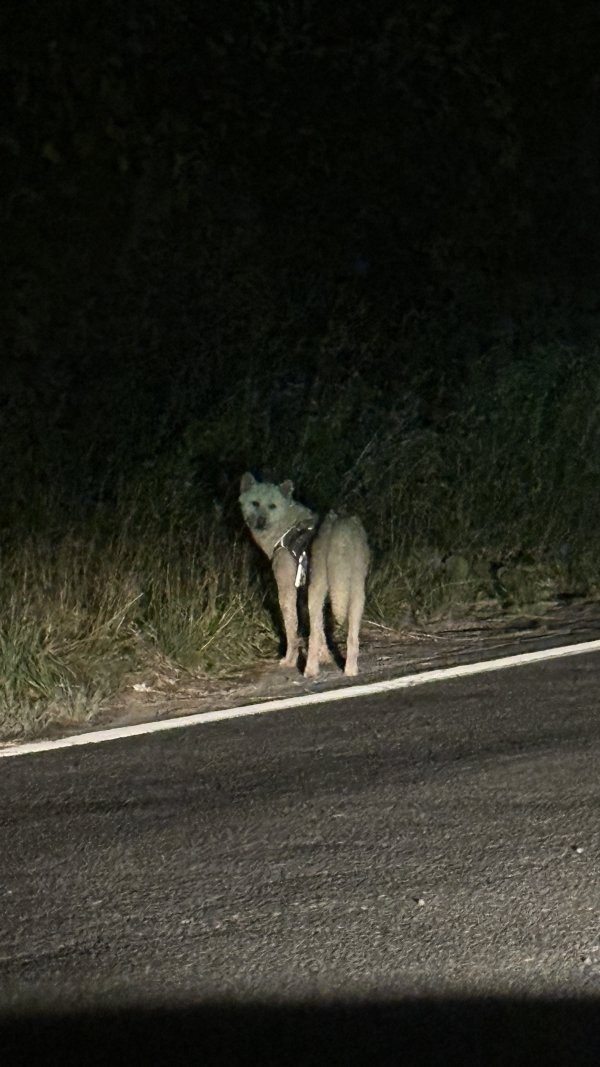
(463,670)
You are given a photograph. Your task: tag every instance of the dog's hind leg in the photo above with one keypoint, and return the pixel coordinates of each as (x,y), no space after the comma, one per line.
(355,611)
(317,644)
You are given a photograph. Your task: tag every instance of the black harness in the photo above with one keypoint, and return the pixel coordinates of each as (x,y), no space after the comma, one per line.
(296,541)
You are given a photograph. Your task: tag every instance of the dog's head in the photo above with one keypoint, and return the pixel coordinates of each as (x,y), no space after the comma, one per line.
(264,504)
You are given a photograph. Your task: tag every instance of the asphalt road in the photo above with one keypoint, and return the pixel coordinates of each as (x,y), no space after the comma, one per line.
(439,841)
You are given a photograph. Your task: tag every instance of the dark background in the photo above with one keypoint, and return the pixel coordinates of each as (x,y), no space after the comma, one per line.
(198,198)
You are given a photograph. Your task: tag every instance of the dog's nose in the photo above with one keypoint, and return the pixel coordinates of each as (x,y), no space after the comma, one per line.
(260,523)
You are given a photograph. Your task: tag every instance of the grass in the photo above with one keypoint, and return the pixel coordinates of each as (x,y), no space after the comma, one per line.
(82,613)
(494,499)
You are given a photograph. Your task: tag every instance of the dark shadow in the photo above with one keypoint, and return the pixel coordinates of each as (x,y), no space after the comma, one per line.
(491,1032)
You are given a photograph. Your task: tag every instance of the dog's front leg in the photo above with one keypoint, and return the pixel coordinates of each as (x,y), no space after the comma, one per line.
(284,569)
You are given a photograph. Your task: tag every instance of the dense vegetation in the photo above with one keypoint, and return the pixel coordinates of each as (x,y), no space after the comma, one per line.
(352,245)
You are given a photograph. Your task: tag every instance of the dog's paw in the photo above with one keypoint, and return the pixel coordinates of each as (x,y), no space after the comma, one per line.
(312,669)
(351,670)
(289,660)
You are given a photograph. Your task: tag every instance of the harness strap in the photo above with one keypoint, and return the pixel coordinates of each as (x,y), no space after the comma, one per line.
(296,541)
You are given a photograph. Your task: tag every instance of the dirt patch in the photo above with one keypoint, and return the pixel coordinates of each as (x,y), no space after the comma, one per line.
(163,694)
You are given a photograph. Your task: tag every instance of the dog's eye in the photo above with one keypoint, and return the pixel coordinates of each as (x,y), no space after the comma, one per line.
(272,507)
(255,504)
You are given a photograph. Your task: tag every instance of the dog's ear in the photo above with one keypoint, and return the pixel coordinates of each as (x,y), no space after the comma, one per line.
(287,488)
(248,480)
